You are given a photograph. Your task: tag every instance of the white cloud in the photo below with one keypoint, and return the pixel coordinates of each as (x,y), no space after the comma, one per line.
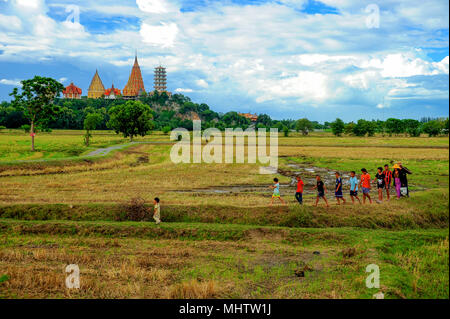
(156,6)
(63,79)
(10,82)
(10,22)
(160,35)
(265,52)
(181,90)
(202,83)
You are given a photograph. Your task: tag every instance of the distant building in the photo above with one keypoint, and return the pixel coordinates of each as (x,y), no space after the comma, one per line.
(72,92)
(251,117)
(96,89)
(112,93)
(160,80)
(135,85)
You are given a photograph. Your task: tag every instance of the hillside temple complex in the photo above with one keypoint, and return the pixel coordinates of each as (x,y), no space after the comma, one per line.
(132,90)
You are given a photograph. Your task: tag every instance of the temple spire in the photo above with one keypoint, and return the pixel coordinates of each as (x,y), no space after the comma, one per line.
(135,85)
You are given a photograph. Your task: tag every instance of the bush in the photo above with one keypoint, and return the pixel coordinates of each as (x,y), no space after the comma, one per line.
(134,210)
(26,128)
(166,130)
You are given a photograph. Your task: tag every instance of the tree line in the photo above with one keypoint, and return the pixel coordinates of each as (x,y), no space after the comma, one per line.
(37,106)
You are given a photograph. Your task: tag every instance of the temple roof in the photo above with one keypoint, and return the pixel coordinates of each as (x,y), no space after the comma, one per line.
(135,84)
(72,89)
(96,83)
(112,89)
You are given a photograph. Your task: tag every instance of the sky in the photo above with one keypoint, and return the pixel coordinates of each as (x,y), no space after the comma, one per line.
(286,58)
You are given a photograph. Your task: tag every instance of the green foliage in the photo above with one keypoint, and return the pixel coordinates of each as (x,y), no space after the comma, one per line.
(25,128)
(91,122)
(304,125)
(131,119)
(337,127)
(349,128)
(412,127)
(394,126)
(36,99)
(166,129)
(285,131)
(432,128)
(264,120)
(360,128)
(3,278)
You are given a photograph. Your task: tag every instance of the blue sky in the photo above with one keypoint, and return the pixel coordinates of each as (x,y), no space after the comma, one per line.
(287,58)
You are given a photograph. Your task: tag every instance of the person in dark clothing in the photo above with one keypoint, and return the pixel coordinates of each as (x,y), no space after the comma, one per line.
(321,191)
(403,175)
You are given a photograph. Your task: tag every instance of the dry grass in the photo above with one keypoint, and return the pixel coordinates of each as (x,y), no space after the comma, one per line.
(194,290)
(397,154)
(124,176)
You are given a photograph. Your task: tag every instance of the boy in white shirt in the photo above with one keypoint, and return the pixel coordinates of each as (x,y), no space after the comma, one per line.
(157,211)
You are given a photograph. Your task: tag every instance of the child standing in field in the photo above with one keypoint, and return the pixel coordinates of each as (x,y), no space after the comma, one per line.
(354,187)
(321,190)
(157,211)
(380,180)
(276,191)
(365,185)
(397,183)
(299,192)
(338,189)
(387,181)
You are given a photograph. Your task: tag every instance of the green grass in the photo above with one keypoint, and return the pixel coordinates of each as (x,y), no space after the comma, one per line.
(64,210)
(257,262)
(15,145)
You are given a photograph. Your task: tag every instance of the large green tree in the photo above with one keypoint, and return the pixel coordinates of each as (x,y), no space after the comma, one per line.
(337,127)
(412,127)
(35,100)
(432,128)
(304,125)
(131,119)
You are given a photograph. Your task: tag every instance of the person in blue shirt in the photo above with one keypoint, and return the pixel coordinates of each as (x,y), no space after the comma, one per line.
(338,190)
(276,191)
(354,187)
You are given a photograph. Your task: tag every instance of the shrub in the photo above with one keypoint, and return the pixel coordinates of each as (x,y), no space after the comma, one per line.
(26,128)
(134,210)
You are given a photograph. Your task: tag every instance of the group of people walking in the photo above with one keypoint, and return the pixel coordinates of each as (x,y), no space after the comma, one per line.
(384,178)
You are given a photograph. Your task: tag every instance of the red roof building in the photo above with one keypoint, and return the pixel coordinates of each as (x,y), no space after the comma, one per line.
(112,93)
(72,92)
(251,117)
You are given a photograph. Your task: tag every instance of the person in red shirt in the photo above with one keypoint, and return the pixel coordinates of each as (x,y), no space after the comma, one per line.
(299,192)
(365,185)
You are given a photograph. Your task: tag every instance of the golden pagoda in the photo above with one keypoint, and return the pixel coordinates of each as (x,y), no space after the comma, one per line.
(96,89)
(135,85)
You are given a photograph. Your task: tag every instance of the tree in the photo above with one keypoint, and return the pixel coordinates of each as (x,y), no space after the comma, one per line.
(432,128)
(286,131)
(36,101)
(360,128)
(91,122)
(394,126)
(412,127)
(131,119)
(264,119)
(349,128)
(445,126)
(304,125)
(371,127)
(337,127)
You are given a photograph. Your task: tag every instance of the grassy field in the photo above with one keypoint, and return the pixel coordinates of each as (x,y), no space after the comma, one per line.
(218,237)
